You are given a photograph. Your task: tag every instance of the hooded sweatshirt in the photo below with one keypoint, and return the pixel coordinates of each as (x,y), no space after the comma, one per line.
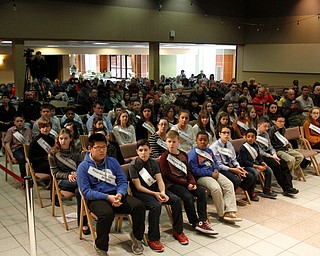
(94,189)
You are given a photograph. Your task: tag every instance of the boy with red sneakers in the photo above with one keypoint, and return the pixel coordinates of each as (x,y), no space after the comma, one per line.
(148,186)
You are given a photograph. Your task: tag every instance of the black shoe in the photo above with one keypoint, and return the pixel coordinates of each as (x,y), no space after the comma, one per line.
(304,163)
(86,231)
(269,194)
(56,201)
(254,197)
(291,191)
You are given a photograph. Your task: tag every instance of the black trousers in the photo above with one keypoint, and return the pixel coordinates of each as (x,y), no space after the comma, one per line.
(154,207)
(280,171)
(247,183)
(106,212)
(188,198)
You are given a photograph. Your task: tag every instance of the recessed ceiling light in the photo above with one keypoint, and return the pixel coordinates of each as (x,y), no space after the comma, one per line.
(6,42)
(100,43)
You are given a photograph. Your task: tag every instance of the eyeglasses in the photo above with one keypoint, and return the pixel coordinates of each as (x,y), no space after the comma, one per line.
(227,133)
(98,148)
(163,124)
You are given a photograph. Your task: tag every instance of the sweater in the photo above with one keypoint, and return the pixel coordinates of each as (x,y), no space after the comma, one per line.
(94,189)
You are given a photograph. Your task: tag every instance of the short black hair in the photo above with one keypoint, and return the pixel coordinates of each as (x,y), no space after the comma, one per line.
(143,142)
(96,137)
(251,131)
(202,133)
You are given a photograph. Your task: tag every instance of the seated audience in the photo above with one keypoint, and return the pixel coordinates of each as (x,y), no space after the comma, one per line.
(229,166)
(71,118)
(185,131)
(269,156)
(282,146)
(16,136)
(253,162)
(203,124)
(205,169)
(123,131)
(106,194)
(148,186)
(311,128)
(157,140)
(98,112)
(145,127)
(45,112)
(40,147)
(29,108)
(179,180)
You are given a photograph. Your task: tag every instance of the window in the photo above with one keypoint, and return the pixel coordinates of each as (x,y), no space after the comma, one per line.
(120,66)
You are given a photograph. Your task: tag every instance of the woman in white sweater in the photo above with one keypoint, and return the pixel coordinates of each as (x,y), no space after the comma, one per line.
(123,131)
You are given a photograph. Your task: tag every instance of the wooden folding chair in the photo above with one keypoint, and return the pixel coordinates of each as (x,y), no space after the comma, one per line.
(129,152)
(85,211)
(84,140)
(7,159)
(293,133)
(60,193)
(35,176)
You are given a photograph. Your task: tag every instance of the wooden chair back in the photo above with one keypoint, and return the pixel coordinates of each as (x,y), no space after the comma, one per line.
(35,176)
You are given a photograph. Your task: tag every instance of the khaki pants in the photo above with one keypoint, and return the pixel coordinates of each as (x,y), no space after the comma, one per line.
(293,159)
(222,192)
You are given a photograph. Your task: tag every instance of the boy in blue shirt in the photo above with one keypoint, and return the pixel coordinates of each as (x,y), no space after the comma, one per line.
(205,169)
(104,185)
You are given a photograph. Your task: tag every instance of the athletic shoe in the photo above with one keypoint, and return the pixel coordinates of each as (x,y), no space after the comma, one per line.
(292,191)
(86,231)
(204,227)
(181,238)
(269,194)
(99,252)
(136,247)
(231,216)
(156,245)
(254,197)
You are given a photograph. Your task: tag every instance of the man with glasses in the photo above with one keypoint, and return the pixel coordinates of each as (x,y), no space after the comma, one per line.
(226,157)
(104,185)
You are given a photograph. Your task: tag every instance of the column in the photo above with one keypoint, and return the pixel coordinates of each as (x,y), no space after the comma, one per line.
(65,68)
(154,66)
(19,67)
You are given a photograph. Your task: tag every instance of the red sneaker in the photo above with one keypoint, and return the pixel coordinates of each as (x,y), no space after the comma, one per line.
(181,238)
(156,245)
(204,227)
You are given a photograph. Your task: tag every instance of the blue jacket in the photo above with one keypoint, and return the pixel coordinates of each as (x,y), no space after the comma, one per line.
(95,189)
(201,166)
